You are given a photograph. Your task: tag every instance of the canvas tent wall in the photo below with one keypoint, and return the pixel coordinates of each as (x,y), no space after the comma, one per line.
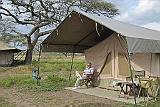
(7,54)
(81,31)
(110,59)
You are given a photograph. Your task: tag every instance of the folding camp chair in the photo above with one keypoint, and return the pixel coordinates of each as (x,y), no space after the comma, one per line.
(138,75)
(155,82)
(88,81)
(145,84)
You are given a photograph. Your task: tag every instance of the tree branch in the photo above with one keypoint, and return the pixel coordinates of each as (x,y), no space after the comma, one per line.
(45,33)
(37,27)
(25,35)
(15,17)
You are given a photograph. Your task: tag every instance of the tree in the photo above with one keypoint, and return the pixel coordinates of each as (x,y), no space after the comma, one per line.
(6,28)
(42,15)
(7,35)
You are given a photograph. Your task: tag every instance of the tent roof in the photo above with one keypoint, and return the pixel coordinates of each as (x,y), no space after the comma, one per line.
(5,47)
(85,30)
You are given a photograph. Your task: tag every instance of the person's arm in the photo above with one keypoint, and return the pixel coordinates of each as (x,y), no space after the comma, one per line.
(84,73)
(91,71)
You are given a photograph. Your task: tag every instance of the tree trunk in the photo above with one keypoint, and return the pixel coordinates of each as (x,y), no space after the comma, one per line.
(31,45)
(28,58)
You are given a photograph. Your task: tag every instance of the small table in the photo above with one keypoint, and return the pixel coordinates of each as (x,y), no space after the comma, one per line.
(125,93)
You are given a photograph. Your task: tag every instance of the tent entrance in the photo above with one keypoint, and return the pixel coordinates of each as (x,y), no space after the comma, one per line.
(114,68)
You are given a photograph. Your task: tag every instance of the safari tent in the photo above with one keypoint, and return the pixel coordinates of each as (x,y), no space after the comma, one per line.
(107,43)
(7,54)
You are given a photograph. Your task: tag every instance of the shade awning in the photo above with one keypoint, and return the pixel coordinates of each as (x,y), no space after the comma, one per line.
(81,30)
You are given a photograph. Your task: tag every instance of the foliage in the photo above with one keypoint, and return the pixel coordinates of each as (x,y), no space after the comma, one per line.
(7,35)
(39,17)
(98,7)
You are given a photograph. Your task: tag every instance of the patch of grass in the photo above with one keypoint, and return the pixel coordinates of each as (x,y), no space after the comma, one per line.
(10,80)
(150,103)
(3,69)
(54,76)
(54,83)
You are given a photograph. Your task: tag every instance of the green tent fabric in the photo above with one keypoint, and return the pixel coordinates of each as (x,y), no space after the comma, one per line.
(81,30)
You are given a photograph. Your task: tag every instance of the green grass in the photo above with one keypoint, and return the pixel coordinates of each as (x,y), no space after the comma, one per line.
(3,69)
(54,73)
(10,80)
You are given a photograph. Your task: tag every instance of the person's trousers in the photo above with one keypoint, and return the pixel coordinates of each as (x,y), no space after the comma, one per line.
(79,78)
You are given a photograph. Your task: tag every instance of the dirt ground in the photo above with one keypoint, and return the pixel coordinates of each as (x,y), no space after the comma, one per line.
(65,98)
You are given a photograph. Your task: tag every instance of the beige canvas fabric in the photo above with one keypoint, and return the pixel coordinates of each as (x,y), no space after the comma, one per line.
(109,58)
(106,55)
(4,47)
(150,62)
(6,57)
(6,53)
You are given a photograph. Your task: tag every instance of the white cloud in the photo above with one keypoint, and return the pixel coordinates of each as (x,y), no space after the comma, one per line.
(145,13)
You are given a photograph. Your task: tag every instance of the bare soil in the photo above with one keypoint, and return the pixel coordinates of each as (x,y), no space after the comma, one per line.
(64,98)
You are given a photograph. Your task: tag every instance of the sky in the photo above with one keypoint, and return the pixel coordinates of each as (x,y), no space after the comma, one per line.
(145,13)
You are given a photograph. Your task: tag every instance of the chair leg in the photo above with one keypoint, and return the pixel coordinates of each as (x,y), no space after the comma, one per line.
(154,92)
(139,91)
(147,98)
(88,82)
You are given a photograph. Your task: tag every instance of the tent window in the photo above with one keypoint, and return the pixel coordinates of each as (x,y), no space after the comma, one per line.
(107,65)
(123,65)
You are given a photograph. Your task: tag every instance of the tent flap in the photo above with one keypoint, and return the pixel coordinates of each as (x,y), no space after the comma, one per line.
(137,45)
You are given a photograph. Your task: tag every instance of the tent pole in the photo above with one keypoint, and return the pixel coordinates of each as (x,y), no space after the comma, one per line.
(71,64)
(151,64)
(130,66)
(39,65)
(71,67)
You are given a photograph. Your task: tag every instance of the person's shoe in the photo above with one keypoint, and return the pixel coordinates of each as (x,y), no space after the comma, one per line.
(75,88)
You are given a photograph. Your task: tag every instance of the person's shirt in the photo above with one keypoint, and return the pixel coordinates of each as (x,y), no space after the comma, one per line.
(89,70)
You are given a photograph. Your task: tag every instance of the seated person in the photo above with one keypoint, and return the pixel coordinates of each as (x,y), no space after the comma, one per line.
(87,73)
